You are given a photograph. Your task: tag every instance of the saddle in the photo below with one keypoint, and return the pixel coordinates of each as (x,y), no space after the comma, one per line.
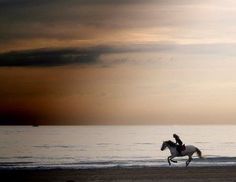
(182,148)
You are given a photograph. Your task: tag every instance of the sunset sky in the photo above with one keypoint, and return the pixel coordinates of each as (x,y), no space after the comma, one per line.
(117,62)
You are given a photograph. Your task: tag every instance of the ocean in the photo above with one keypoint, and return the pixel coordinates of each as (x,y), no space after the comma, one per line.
(77,147)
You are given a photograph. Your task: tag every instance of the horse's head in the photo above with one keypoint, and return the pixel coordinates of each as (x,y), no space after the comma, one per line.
(164,145)
(168,144)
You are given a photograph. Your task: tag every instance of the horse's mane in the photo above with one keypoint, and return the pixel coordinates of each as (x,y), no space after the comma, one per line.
(172,144)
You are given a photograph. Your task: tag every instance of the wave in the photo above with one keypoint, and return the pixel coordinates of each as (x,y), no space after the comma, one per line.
(56,146)
(144,143)
(207,161)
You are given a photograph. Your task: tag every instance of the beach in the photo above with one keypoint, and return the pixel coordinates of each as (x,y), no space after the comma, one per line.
(44,154)
(160,174)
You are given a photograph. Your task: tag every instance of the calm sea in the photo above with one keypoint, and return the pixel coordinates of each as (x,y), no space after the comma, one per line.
(110,146)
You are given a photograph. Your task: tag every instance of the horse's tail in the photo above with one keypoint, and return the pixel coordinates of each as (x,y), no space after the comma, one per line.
(199,153)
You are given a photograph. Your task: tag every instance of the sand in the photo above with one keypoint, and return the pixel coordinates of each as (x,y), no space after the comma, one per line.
(190,174)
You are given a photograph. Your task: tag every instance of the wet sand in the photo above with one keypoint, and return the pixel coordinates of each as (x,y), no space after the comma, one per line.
(148,174)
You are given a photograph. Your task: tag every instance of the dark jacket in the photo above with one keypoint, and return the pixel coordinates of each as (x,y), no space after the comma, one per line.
(178,141)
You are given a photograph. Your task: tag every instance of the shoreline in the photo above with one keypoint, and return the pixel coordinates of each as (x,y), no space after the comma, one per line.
(162,174)
(220,161)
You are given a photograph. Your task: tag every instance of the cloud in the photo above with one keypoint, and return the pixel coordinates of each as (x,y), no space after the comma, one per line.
(50,57)
(23,20)
(79,56)
(115,54)
(31,24)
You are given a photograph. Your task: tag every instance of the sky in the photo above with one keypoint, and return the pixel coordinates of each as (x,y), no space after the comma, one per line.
(117,62)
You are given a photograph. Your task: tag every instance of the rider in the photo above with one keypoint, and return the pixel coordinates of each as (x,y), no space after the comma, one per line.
(179,143)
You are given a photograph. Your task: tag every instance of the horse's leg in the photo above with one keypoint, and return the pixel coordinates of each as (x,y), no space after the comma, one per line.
(174,161)
(168,159)
(171,159)
(189,160)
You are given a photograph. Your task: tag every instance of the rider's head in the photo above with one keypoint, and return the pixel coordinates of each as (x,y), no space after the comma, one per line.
(175,136)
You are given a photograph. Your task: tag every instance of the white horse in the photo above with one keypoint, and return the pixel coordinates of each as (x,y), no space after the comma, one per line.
(189,151)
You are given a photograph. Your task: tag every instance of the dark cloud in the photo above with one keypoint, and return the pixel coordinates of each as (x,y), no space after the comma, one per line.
(58,19)
(30,2)
(50,57)
(68,56)
(92,55)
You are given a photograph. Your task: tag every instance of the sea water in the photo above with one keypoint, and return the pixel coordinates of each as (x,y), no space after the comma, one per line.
(111,146)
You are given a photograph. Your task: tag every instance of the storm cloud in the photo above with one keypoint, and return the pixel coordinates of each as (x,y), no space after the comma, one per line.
(49,57)
(38,24)
(43,57)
